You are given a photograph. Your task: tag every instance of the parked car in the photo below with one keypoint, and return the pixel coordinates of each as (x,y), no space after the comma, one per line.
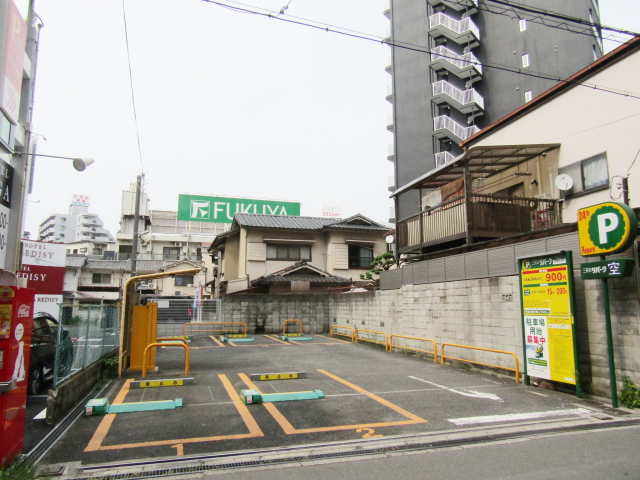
(42,362)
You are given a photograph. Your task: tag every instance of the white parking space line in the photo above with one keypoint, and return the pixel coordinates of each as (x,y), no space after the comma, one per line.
(468,393)
(537,393)
(510,417)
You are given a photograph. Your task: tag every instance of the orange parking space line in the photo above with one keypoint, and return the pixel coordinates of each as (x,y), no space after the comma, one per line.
(375,397)
(217,341)
(105,424)
(249,421)
(334,339)
(277,340)
(297,343)
(291,430)
(232,344)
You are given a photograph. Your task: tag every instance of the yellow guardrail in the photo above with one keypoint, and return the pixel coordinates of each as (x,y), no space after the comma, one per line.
(515,357)
(187,356)
(342,334)
(435,348)
(386,337)
(184,327)
(284,325)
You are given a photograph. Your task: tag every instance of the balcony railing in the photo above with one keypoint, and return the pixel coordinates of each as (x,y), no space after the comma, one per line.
(442,158)
(463,100)
(446,123)
(462,63)
(489,217)
(392,183)
(389,122)
(463,30)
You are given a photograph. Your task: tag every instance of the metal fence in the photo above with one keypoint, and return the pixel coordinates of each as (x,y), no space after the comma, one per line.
(173,313)
(86,334)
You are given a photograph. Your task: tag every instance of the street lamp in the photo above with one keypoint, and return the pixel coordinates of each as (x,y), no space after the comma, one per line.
(80,164)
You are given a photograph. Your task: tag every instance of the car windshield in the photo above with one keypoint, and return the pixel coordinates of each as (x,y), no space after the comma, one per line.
(53,326)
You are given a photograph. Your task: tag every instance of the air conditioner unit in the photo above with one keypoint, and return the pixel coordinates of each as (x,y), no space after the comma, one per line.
(177,244)
(151,286)
(178,292)
(543,196)
(190,285)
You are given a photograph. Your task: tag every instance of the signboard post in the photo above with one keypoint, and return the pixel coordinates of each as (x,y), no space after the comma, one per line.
(548,329)
(604,229)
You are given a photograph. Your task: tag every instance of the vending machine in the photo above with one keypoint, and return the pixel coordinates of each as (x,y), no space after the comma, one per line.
(16,320)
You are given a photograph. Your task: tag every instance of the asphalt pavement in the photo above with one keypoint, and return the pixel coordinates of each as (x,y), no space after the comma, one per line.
(370,397)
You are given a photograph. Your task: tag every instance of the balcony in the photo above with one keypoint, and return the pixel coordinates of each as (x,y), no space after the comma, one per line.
(392,184)
(388,64)
(442,158)
(489,217)
(390,122)
(391,153)
(386,8)
(444,127)
(387,35)
(392,214)
(389,96)
(463,66)
(465,101)
(463,31)
(468,6)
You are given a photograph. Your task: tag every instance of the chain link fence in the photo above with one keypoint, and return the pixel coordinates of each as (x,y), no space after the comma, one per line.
(86,334)
(174,313)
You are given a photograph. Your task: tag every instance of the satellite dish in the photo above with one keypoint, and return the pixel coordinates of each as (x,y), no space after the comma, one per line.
(564,182)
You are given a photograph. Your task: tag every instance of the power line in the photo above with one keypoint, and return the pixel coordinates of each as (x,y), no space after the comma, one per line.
(421,49)
(566,18)
(133,98)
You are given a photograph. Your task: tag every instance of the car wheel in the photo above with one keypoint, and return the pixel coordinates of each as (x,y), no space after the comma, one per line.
(35,381)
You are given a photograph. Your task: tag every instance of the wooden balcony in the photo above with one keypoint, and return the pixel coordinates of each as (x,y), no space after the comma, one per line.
(485,217)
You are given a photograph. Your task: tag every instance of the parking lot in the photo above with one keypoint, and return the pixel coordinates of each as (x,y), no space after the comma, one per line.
(368,393)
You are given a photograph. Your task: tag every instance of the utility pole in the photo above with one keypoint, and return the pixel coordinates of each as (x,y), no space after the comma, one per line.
(136,219)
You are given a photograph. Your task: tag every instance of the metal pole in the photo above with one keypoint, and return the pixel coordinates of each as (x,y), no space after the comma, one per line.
(612,362)
(625,190)
(467,202)
(86,337)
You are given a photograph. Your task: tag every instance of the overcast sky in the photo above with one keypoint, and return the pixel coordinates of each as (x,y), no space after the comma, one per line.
(228,104)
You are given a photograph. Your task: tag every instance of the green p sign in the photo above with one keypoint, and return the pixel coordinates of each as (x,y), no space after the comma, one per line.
(201,208)
(606,228)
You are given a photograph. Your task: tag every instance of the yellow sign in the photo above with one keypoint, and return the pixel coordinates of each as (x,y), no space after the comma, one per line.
(547,318)
(279,376)
(606,228)
(161,383)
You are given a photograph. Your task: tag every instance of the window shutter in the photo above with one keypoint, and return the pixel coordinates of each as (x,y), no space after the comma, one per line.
(340,256)
(257,252)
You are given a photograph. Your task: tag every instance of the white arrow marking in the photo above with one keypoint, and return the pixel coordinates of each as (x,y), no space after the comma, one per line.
(469,393)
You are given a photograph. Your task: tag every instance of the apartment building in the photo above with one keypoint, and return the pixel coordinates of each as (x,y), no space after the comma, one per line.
(457,66)
(79,225)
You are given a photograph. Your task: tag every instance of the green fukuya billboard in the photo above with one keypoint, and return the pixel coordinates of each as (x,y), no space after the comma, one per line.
(202,208)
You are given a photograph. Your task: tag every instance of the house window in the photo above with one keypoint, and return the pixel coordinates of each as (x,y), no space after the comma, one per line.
(171,253)
(587,175)
(101,279)
(184,280)
(360,257)
(527,96)
(525,60)
(83,250)
(523,24)
(289,252)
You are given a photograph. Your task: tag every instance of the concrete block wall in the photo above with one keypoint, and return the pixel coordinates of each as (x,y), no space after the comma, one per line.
(467,312)
(268,312)
(483,312)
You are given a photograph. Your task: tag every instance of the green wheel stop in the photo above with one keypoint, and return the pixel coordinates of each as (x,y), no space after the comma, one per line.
(100,406)
(252,396)
(286,338)
(227,339)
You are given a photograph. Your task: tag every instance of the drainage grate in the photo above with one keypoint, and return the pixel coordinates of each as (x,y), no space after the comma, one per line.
(356,453)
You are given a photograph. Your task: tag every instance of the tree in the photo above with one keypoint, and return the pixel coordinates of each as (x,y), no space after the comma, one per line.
(380,263)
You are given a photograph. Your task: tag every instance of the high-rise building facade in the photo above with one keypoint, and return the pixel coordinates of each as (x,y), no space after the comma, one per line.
(459,65)
(76,226)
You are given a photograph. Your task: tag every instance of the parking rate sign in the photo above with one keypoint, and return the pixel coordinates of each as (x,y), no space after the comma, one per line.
(547,317)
